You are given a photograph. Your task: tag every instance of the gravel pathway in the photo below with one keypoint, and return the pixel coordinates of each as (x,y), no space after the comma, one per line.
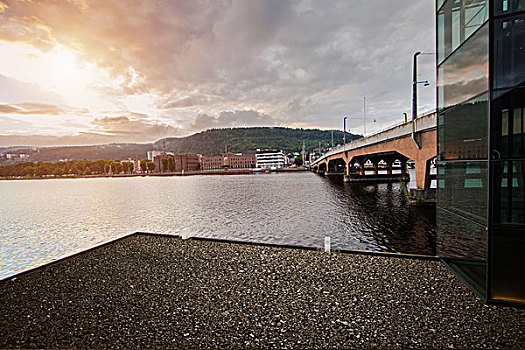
(164,292)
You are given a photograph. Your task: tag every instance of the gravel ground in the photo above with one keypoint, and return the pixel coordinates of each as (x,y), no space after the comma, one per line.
(163,292)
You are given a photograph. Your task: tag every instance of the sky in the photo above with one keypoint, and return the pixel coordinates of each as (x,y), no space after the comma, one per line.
(77,72)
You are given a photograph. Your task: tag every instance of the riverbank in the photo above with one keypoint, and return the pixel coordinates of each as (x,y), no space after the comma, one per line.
(164,292)
(186,173)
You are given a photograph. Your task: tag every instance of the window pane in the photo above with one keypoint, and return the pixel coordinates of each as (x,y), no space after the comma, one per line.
(508,6)
(509,52)
(464,74)
(463,189)
(439,3)
(507,119)
(508,261)
(508,192)
(463,245)
(457,21)
(463,130)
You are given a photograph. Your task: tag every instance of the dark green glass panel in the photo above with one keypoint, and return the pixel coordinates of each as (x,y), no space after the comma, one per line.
(457,21)
(463,130)
(508,192)
(502,7)
(464,74)
(463,244)
(508,264)
(509,52)
(463,189)
(508,124)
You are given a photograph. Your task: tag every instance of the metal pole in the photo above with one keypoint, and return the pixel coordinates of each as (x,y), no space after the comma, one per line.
(414,87)
(414,100)
(405,117)
(364,116)
(344,131)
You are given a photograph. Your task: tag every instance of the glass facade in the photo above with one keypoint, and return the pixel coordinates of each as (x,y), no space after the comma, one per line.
(481,144)
(465,73)
(463,130)
(458,20)
(509,52)
(502,7)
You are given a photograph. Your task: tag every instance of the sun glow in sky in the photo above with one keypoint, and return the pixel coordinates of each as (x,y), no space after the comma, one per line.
(84,72)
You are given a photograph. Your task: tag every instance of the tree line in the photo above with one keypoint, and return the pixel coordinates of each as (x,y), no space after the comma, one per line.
(73,167)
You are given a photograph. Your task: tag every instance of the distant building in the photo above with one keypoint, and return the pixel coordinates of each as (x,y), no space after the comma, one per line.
(153,154)
(183,161)
(187,162)
(157,159)
(270,159)
(229,161)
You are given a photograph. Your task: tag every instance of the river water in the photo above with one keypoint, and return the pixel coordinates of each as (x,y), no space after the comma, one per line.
(43,220)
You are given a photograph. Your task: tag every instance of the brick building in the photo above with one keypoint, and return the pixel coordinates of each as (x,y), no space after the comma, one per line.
(183,162)
(229,161)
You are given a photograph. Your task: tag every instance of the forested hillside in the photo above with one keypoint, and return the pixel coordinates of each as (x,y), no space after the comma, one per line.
(207,143)
(241,140)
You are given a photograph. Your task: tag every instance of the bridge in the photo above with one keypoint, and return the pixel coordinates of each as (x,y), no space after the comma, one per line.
(387,149)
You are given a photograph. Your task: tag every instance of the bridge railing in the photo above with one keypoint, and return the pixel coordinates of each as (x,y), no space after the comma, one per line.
(423,122)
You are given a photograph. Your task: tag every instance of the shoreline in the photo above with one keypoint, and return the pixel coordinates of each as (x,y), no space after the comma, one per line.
(186,173)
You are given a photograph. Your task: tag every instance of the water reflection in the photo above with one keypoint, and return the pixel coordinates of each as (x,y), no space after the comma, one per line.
(47,219)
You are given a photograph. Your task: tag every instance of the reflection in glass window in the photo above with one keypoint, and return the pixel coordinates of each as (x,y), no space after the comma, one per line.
(463,244)
(508,6)
(509,52)
(463,189)
(457,21)
(463,130)
(509,192)
(508,124)
(464,74)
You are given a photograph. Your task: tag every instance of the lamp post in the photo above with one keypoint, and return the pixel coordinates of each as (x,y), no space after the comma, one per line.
(414,86)
(414,97)
(344,130)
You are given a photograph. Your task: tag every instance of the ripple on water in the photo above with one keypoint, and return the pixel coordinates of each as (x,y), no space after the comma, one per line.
(45,220)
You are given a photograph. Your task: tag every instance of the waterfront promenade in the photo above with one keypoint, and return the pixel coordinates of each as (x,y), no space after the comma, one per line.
(149,291)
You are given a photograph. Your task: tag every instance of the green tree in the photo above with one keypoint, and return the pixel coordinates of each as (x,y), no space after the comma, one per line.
(87,171)
(298,161)
(144,165)
(164,162)
(127,167)
(171,164)
(116,167)
(30,171)
(107,168)
(151,166)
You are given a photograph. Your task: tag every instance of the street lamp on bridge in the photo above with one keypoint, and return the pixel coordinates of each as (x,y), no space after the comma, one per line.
(414,94)
(344,130)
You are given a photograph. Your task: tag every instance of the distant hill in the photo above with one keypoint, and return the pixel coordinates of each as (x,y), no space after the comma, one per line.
(208,143)
(242,140)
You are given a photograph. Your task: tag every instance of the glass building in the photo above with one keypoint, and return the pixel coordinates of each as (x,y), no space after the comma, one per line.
(481,145)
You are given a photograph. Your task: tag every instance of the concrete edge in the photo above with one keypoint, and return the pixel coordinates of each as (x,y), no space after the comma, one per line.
(218,240)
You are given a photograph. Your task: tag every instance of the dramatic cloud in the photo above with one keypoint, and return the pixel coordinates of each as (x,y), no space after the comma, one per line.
(289,62)
(14,91)
(106,129)
(30,108)
(232,119)
(133,129)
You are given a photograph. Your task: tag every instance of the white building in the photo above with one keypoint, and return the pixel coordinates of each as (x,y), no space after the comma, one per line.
(270,159)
